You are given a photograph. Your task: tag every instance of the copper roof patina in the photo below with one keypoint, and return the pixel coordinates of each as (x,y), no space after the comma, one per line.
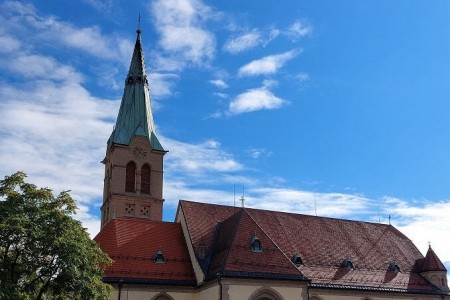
(135,114)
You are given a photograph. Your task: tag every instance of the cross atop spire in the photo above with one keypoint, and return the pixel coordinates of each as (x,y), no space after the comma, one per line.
(135,115)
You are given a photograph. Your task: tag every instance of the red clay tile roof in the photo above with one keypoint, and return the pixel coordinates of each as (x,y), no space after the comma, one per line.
(133,243)
(322,243)
(432,262)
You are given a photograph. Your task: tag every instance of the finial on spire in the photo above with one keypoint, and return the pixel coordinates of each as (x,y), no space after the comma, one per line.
(139,24)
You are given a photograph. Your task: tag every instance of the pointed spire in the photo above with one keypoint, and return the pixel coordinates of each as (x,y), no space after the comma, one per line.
(135,114)
(432,262)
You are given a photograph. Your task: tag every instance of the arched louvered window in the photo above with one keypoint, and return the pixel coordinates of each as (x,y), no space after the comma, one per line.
(130,181)
(266,293)
(145,179)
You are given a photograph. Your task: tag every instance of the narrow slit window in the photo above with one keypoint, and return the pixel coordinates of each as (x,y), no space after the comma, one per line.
(130,181)
(145,179)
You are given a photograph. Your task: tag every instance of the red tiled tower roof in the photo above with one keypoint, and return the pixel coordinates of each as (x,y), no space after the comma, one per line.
(375,250)
(432,262)
(133,244)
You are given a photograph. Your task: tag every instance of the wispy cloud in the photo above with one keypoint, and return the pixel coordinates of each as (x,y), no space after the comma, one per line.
(161,85)
(219,83)
(256,99)
(243,42)
(267,65)
(256,153)
(298,30)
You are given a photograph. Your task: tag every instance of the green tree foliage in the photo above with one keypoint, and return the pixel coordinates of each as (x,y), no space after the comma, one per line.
(44,252)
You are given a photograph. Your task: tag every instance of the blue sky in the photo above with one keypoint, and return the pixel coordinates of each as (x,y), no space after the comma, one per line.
(334,108)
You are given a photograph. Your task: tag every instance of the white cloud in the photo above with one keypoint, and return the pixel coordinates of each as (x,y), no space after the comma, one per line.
(39,67)
(44,29)
(254,100)
(161,85)
(298,30)
(182,29)
(219,83)
(267,65)
(306,202)
(423,222)
(199,158)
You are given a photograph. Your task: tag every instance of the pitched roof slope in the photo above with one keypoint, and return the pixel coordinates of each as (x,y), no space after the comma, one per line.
(323,244)
(133,244)
(232,253)
(135,114)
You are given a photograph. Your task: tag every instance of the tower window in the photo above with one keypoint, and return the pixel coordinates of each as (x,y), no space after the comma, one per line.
(145,179)
(130,181)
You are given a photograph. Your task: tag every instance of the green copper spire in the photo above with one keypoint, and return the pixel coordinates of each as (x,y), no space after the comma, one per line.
(135,114)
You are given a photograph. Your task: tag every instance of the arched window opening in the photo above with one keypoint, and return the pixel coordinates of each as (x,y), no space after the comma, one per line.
(162,296)
(145,179)
(159,257)
(296,259)
(347,263)
(130,80)
(256,244)
(130,181)
(394,267)
(266,293)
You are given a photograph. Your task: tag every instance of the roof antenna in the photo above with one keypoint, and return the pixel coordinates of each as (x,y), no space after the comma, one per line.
(389,219)
(242,198)
(378,211)
(315,204)
(234,195)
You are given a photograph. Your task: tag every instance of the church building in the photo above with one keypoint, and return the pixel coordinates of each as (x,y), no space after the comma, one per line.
(223,252)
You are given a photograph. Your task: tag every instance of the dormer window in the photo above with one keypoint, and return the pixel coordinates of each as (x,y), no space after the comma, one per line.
(296,259)
(347,263)
(393,266)
(130,80)
(159,258)
(139,78)
(256,244)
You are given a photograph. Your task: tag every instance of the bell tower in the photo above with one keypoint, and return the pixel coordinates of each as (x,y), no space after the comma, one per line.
(133,181)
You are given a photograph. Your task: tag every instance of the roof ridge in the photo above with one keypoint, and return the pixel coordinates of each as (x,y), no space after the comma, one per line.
(238,216)
(276,245)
